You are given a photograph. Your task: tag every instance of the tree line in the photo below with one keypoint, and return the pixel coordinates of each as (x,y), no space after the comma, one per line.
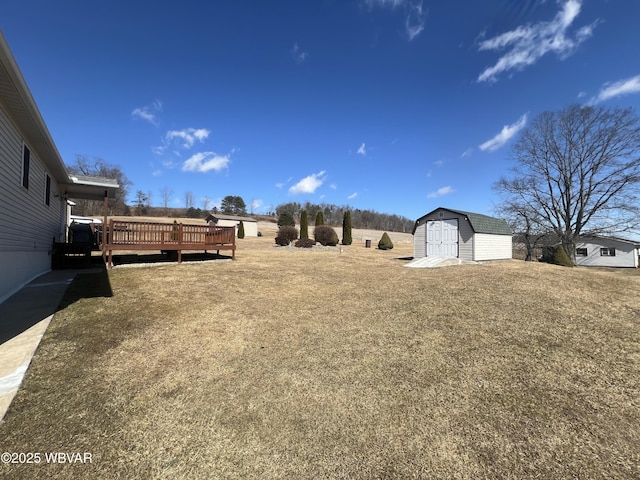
(334,214)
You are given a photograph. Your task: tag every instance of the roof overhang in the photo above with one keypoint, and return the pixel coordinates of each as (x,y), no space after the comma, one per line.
(89,188)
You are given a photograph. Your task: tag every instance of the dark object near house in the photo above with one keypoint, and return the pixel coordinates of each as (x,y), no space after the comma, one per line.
(81,234)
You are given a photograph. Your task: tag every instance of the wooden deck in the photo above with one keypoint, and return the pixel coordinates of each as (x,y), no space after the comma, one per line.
(126,235)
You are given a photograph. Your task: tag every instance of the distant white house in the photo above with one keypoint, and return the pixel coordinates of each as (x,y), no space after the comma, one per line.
(34,183)
(597,251)
(448,233)
(221,220)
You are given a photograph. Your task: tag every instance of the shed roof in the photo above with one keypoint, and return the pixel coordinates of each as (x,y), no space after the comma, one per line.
(479,223)
(220,216)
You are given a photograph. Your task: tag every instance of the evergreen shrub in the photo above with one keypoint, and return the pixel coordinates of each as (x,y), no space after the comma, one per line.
(326,235)
(286,220)
(385,242)
(304,225)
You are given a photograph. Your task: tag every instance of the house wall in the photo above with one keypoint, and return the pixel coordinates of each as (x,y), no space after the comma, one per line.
(492,247)
(27,225)
(626,253)
(465,234)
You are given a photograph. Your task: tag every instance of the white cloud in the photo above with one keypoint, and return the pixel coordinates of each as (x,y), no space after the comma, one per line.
(507,132)
(206,161)
(527,44)
(438,163)
(353,195)
(187,137)
(414,14)
(362,150)
(616,89)
(255,204)
(181,139)
(156,173)
(333,186)
(467,153)
(414,23)
(282,184)
(298,55)
(149,112)
(308,184)
(441,192)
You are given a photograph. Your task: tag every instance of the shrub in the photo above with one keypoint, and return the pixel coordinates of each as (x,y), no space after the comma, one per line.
(304,225)
(305,243)
(346,229)
(319,219)
(385,242)
(241,229)
(286,220)
(326,235)
(286,235)
(560,257)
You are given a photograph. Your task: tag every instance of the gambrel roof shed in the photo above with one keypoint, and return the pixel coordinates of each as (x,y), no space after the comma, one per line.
(449,233)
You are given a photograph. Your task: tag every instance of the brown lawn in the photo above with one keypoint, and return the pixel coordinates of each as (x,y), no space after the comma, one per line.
(290,363)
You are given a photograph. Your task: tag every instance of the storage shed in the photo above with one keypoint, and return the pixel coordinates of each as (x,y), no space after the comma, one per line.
(221,220)
(597,251)
(448,233)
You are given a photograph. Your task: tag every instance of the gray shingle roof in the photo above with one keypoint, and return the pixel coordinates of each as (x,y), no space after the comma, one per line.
(479,223)
(486,224)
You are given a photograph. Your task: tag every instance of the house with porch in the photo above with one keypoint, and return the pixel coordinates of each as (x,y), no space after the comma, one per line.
(34,184)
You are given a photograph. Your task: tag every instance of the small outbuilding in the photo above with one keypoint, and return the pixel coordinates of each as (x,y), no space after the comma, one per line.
(597,251)
(447,233)
(221,220)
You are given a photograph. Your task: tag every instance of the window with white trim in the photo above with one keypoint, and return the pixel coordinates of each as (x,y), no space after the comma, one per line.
(581,252)
(607,252)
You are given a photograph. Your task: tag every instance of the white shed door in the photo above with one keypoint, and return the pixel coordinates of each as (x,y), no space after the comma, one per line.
(442,238)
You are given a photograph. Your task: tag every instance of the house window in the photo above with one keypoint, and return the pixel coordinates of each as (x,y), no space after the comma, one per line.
(607,252)
(47,189)
(581,252)
(26,159)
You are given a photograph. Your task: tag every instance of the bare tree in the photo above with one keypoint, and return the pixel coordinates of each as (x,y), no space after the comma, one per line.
(188,199)
(96,167)
(165,196)
(206,202)
(577,172)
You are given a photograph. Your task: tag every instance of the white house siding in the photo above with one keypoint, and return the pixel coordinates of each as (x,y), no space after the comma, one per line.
(27,225)
(465,234)
(492,247)
(626,253)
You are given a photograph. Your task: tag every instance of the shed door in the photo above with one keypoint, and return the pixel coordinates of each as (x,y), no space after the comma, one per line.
(442,238)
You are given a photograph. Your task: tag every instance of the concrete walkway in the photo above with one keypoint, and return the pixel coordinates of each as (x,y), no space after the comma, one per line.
(24,317)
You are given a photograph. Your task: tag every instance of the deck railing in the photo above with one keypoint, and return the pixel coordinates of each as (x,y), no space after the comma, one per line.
(129,235)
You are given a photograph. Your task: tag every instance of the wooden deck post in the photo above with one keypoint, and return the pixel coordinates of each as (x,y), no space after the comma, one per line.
(105,211)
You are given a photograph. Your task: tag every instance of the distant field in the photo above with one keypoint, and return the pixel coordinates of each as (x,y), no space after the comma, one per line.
(340,363)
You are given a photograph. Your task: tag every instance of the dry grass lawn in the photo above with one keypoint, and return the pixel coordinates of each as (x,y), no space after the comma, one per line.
(290,363)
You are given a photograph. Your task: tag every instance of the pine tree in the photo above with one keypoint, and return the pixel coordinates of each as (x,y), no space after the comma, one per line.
(385,242)
(286,220)
(304,225)
(346,229)
(241,229)
(319,218)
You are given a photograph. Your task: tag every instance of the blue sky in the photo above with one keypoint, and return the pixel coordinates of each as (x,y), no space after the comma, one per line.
(399,106)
